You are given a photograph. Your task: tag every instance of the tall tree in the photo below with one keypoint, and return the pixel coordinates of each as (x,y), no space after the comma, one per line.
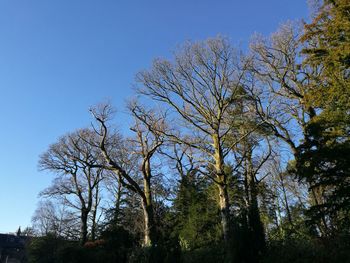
(281,85)
(74,161)
(200,86)
(250,154)
(323,157)
(148,139)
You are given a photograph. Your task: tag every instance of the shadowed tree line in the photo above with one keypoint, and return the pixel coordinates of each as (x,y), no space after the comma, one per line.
(231,156)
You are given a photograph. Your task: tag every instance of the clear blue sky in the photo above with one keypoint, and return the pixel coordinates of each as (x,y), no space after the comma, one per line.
(58,57)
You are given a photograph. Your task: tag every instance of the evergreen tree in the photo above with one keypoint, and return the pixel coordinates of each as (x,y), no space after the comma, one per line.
(323,157)
(197,215)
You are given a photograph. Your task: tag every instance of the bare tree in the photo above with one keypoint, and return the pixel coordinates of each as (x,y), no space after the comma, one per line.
(74,161)
(56,219)
(148,138)
(200,86)
(280,84)
(288,194)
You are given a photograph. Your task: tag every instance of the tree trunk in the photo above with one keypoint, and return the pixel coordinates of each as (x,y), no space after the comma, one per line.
(289,215)
(224,212)
(93,226)
(148,224)
(94,214)
(317,200)
(83,227)
(254,220)
(116,216)
(147,206)
(224,204)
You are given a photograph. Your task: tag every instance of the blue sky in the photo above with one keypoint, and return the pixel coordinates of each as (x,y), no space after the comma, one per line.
(58,57)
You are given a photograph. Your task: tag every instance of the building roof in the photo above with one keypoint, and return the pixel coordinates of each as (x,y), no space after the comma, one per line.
(12,241)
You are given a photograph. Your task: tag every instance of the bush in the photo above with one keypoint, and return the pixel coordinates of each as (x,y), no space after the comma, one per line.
(114,246)
(325,250)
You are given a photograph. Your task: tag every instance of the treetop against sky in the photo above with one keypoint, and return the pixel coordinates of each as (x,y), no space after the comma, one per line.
(57,58)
